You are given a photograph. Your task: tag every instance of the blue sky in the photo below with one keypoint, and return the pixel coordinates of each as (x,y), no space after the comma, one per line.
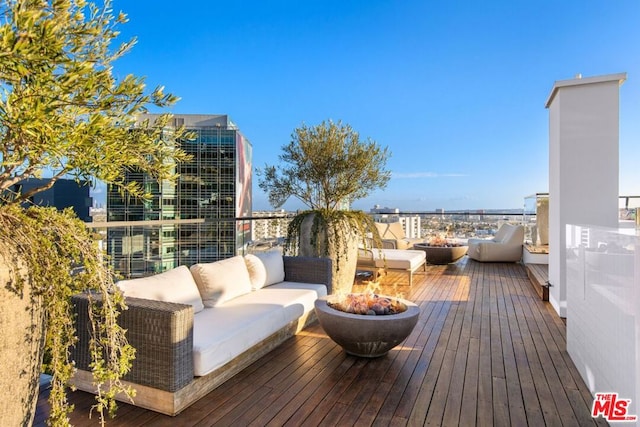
(455,89)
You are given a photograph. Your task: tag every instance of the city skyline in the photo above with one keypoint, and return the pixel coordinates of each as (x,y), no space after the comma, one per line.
(456,92)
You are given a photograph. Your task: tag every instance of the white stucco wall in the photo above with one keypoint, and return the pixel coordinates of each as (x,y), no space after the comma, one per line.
(583,165)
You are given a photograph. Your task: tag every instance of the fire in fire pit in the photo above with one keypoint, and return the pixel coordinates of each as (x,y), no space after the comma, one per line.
(367,303)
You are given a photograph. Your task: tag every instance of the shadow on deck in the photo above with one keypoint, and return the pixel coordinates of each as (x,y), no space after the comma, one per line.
(486,351)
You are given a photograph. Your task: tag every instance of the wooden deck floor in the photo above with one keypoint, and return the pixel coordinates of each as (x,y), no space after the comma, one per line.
(486,351)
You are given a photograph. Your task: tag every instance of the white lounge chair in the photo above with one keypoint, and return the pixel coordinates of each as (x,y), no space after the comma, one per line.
(505,246)
(393,236)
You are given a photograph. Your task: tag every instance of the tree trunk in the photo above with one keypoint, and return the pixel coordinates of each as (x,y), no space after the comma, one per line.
(340,241)
(21,343)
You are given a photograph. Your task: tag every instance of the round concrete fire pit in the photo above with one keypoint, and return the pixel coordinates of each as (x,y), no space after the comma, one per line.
(366,335)
(442,254)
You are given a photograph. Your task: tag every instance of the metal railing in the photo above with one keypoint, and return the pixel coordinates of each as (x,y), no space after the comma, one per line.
(140,248)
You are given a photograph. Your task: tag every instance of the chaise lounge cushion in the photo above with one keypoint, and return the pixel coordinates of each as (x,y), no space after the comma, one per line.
(221,281)
(396,259)
(175,285)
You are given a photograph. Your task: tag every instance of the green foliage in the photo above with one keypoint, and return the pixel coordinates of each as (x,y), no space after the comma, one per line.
(324,166)
(60,259)
(64,112)
(61,107)
(340,223)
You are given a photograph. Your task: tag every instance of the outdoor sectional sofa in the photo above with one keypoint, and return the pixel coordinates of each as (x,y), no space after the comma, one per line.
(195,328)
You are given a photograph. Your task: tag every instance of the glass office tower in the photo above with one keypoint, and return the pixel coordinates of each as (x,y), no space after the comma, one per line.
(192,220)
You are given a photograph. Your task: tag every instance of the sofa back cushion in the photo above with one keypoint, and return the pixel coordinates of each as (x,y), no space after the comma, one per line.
(265,268)
(175,285)
(257,271)
(222,280)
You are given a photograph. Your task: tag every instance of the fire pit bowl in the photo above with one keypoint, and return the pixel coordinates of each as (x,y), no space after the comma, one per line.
(366,335)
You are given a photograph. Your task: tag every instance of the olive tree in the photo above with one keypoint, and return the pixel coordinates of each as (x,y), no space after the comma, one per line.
(327,167)
(64,113)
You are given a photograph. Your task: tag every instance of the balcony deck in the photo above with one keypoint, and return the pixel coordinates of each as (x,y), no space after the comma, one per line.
(486,351)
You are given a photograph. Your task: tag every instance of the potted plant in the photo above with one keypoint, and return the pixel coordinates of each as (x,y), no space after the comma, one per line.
(327,167)
(64,113)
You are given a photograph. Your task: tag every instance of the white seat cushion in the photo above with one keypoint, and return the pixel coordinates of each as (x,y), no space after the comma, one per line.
(175,285)
(295,298)
(398,259)
(223,332)
(221,281)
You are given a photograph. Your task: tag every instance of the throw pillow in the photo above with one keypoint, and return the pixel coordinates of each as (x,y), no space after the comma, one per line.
(274,265)
(221,281)
(257,271)
(175,285)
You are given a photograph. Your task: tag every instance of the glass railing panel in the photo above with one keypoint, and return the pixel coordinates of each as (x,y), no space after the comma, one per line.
(141,248)
(603,295)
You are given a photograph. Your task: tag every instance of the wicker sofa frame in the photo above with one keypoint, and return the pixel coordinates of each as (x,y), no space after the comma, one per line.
(162,333)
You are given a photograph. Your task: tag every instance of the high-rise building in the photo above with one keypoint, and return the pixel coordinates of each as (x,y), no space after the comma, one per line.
(65,193)
(192,220)
(412,226)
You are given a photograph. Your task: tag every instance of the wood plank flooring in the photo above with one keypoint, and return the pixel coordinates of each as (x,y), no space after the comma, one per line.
(486,351)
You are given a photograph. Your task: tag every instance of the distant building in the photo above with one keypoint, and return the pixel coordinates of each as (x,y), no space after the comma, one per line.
(385,214)
(212,191)
(272,228)
(65,193)
(411,224)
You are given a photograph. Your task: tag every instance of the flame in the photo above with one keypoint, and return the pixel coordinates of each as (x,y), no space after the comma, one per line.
(367,302)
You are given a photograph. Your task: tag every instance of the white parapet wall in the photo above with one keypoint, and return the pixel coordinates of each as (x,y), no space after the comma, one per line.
(603,309)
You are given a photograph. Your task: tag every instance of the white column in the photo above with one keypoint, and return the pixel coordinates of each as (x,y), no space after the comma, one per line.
(583,165)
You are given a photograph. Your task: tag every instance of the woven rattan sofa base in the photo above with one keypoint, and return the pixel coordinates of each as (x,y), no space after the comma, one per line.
(172,403)
(160,331)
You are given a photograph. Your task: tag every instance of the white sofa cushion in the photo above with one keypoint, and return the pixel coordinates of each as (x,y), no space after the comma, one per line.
(296,298)
(175,285)
(224,332)
(221,281)
(274,266)
(257,271)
